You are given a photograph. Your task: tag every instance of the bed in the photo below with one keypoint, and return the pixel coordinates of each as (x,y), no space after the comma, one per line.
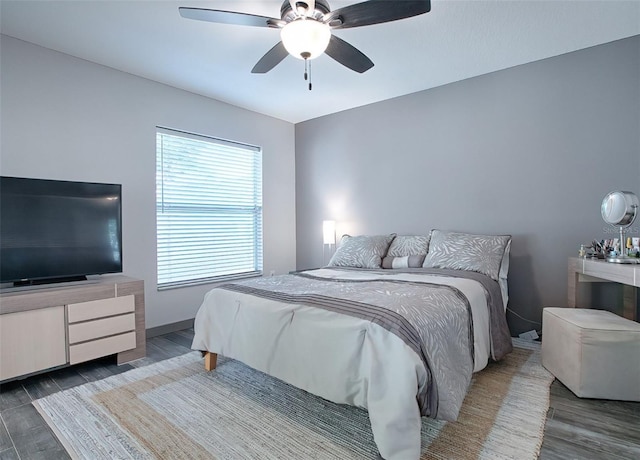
(401,342)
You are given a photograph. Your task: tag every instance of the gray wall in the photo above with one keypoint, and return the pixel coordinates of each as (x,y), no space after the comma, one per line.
(529,151)
(66,118)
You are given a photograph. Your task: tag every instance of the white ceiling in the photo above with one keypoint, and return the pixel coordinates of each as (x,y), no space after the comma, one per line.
(456,40)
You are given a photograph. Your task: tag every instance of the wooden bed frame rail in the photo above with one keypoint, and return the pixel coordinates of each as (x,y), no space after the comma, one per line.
(210,360)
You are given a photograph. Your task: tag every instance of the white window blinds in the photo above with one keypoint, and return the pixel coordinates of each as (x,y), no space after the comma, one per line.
(209,209)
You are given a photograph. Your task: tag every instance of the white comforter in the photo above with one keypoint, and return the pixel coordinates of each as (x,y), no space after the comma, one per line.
(341,358)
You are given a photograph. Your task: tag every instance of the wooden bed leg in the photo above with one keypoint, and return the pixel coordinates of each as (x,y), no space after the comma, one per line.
(210,360)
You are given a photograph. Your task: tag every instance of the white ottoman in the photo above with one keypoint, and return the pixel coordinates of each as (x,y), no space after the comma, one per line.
(595,353)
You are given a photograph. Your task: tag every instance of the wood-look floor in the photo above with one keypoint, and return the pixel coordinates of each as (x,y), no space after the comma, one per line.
(575,429)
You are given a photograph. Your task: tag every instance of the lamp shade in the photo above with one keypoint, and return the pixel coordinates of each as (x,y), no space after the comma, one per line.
(305,38)
(329,232)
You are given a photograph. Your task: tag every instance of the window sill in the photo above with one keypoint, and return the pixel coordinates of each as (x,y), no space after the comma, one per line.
(214,280)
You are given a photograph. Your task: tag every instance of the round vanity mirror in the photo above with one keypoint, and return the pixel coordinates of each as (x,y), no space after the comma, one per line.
(620,209)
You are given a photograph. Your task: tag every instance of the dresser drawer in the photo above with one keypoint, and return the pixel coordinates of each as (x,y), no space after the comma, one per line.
(100,308)
(101,347)
(90,330)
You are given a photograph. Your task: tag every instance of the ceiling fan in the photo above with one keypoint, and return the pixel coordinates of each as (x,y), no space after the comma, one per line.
(305,28)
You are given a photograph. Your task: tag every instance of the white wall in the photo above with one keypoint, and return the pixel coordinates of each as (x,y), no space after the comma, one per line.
(69,119)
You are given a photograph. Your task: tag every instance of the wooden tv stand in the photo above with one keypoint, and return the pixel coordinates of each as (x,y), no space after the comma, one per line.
(52,326)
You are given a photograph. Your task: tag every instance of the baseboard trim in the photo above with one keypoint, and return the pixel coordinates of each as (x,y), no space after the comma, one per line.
(167,328)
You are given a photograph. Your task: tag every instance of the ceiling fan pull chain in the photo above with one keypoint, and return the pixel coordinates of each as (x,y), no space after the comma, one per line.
(307,67)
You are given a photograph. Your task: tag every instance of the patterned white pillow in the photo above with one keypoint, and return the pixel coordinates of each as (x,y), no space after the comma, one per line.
(464,251)
(405,245)
(361,251)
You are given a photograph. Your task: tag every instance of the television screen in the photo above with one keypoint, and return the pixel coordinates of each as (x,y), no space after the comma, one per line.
(58,230)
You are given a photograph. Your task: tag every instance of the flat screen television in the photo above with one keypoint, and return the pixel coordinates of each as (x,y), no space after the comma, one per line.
(53,231)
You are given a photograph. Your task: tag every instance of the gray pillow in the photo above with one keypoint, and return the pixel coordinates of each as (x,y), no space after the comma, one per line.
(404,245)
(464,251)
(361,251)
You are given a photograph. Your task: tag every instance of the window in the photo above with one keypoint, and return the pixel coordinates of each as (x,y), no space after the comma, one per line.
(209,209)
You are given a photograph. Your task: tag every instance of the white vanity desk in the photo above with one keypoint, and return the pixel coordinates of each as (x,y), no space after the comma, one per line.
(595,270)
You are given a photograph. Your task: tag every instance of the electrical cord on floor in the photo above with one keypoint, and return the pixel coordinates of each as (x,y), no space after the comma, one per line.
(539,332)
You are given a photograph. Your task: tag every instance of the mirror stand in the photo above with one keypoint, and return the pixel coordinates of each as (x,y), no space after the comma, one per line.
(623,258)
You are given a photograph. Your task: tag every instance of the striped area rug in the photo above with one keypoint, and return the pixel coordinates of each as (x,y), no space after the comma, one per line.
(175,410)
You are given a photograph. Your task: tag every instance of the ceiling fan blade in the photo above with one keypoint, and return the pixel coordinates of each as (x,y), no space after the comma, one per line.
(348,55)
(273,57)
(229,17)
(375,12)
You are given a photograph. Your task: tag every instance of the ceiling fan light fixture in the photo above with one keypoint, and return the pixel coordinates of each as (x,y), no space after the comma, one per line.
(305,38)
